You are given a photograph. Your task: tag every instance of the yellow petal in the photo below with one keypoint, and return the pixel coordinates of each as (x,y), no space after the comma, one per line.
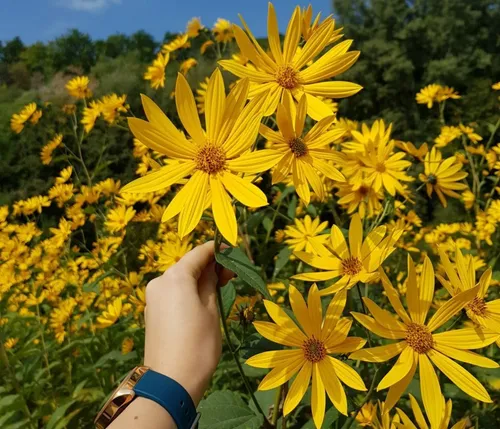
(285,124)
(396,390)
(466,356)
(349,345)
(315,44)
(312,177)
(277,334)
(244,191)
(292,37)
(383,317)
(255,162)
(160,179)
(298,388)
(333,89)
(376,328)
(316,108)
(338,243)
(400,369)
(279,316)
(215,104)
(223,211)
(283,168)
(380,353)
(347,374)
(466,338)
(274,358)
(281,374)
(327,169)
(431,391)
(300,182)
(426,288)
(339,334)
(463,379)
(313,277)
(417,412)
(393,296)
(355,236)
(273,35)
(412,293)
(300,118)
(315,310)
(335,390)
(321,262)
(300,310)
(450,308)
(235,102)
(187,110)
(333,313)
(193,208)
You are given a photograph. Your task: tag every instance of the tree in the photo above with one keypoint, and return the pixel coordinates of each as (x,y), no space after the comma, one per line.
(38,58)
(116,45)
(144,44)
(12,50)
(74,49)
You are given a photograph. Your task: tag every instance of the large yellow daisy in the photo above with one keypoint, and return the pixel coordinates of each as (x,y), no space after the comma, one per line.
(313,343)
(282,71)
(214,159)
(357,263)
(419,345)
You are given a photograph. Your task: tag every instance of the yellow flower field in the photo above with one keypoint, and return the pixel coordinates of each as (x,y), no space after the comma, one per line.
(352,307)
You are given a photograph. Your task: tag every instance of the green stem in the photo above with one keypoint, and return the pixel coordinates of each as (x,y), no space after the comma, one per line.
(276,408)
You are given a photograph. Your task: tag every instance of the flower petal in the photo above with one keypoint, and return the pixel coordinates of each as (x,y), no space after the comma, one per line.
(377,328)
(355,236)
(187,110)
(223,210)
(431,391)
(383,317)
(277,334)
(380,353)
(281,374)
(244,191)
(300,310)
(349,345)
(298,388)
(333,387)
(195,205)
(347,374)
(466,356)
(396,390)
(393,296)
(279,316)
(215,104)
(333,89)
(466,338)
(274,358)
(400,369)
(333,313)
(255,162)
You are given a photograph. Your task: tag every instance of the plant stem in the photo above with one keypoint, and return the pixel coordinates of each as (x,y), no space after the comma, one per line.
(220,305)
(276,408)
(348,423)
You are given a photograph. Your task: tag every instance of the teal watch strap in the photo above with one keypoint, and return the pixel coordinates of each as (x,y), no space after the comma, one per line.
(170,395)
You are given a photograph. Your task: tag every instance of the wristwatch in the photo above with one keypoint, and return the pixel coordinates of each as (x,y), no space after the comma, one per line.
(146,383)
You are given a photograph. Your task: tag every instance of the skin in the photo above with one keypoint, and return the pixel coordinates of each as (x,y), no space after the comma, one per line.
(183,336)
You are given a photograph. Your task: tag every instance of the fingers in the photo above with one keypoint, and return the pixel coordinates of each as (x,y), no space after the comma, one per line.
(223,274)
(207,287)
(194,262)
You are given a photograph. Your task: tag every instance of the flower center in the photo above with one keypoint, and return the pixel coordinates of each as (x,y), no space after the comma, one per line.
(380,167)
(314,350)
(298,147)
(286,77)
(432,179)
(477,306)
(351,266)
(364,190)
(210,158)
(419,338)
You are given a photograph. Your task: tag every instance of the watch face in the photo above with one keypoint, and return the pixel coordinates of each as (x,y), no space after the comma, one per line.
(120,398)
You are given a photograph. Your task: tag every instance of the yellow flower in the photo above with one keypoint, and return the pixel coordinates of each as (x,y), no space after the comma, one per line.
(46,152)
(65,175)
(312,346)
(214,158)
(358,262)
(469,132)
(243,309)
(111,315)
(420,419)
(442,176)
(187,65)
(108,187)
(308,26)
(201,94)
(61,192)
(36,117)
(446,92)
(285,74)
(78,87)
(363,199)
(18,120)
(172,251)
(428,95)
(138,299)
(303,156)
(31,205)
(223,30)
(275,289)
(367,414)
(127,345)
(156,71)
(118,218)
(10,343)
(205,46)
(193,27)
(469,199)
(496,86)
(69,109)
(419,345)
(90,115)
(447,135)
(180,42)
(306,235)
(111,105)
(410,149)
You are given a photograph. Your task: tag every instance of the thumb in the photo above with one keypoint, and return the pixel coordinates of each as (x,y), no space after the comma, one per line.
(207,287)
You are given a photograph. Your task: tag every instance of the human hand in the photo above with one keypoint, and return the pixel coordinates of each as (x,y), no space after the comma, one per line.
(183,336)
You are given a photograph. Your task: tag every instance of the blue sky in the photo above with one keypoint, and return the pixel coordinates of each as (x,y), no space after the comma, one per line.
(43,20)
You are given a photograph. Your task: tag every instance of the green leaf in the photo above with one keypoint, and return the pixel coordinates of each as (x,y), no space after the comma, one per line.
(227,410)
(235,260)
(265,398)
(281,260)
(65,421)
(292,207)
(117,356)
(267,223)
(59,414)
(330,417)
(228,297)
(94,286)
(6,417)
(8,401)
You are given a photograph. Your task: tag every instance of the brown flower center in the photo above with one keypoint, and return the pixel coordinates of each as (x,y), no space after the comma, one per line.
(286,77)
(380,167)
(432,179)
(364,190)
(210,158)
(419,338)
(314,350)
(298,147)
(477,306)
(351,266)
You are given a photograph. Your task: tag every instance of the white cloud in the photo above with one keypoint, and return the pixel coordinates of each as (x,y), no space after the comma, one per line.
(88,5)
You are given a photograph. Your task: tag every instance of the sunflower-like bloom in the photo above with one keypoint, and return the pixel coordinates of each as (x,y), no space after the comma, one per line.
(46,152)
(111,314)
(156,71)
(201,94)
(214,159)
(428,95)
(180,42)
(28,112)
(496,86)
(307,235)
(312,344)
(447,135)
(64,175)
(118,218)
(283,72)
(357,263)
(111,106)
(194,26)
(446,92)
(90,115)
(419,345)
(442,176)
(361,199)
(78,87)
(304,156)
(223,30)
(469,132)
(187,65)
(410,149)
(420,419)
(462,277)
(308,25)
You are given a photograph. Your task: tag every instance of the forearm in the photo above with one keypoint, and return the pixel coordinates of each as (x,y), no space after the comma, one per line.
(145,414)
